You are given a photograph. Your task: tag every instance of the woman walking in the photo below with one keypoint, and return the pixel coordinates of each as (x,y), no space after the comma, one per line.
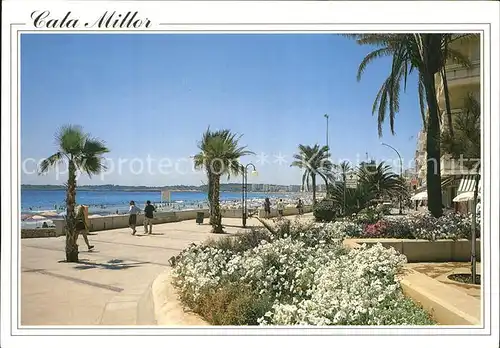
(82,224)
(132,218)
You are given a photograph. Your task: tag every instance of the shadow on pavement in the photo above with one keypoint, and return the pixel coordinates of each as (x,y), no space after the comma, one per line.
(114,265)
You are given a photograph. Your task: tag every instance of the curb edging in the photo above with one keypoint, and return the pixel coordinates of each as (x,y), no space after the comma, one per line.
(168,309)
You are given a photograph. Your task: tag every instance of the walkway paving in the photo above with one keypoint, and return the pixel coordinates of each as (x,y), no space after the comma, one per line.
(107,284)
(110,285)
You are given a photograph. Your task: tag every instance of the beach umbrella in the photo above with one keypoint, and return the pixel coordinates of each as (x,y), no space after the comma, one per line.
(48,213)
(38,217)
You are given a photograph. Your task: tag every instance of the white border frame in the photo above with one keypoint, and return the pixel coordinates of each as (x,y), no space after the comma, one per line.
(251,17)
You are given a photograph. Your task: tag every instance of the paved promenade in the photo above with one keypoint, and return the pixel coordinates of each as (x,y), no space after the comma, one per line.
(111,284)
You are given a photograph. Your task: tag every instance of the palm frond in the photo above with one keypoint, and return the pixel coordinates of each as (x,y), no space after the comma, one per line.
(381,52)
(50,162)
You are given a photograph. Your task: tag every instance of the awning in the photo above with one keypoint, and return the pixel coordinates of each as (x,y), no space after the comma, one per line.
(447,180)
(422,196)
(444,182)
(466,189)
(464,197)
(467,184)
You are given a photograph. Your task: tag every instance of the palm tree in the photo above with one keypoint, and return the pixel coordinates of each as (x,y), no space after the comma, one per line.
(427,54)
(345,168)
(352,200)
(385,182)
(219,155)
(465,142)
(82,153)
(314,161)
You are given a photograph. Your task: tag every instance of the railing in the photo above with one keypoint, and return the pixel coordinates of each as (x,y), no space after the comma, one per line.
(456,72)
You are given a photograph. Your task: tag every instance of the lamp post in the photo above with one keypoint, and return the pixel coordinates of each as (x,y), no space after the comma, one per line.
(244,191)
(327,117)
(400,174)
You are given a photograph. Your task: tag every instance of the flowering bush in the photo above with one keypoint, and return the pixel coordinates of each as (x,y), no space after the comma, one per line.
(346,228)
(375,230)
(414,226)
(368,216)
(359,288)
(296,274)
(310,234)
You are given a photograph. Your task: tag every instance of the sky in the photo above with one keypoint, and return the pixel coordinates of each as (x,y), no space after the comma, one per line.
(150,97)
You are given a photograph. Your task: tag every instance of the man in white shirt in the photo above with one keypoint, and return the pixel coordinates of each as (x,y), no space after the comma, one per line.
(280,207)
(132,219)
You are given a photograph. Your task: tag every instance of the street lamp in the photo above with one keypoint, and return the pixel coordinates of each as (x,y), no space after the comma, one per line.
(400,174)
(327,117)
(244,191)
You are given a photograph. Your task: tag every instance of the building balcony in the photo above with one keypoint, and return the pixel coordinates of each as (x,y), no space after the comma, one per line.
(457,76)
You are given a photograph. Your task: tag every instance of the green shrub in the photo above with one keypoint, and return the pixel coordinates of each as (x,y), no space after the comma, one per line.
(368,216)
(232,304)
(241,242)
(325,211)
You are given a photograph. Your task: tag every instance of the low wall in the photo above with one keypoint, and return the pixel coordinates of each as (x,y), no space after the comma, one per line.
(287,211)
(419,250)
(121,221)
(446,305)
(38,232)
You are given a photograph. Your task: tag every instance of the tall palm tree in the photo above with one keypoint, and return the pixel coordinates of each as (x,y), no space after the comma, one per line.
(219,156)
(465,142)
(314,161)
(427,54)
(83,153)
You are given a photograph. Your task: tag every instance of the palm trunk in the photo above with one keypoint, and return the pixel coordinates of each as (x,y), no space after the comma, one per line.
(210,196)
(71,235)
(430,67)
(473,232)
(216,213)
(447,100)
(313,179)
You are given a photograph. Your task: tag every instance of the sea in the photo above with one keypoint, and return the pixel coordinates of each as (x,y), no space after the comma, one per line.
(110,202)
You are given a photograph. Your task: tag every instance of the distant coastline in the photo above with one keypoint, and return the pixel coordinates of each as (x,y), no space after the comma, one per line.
(109,188)
(229,187)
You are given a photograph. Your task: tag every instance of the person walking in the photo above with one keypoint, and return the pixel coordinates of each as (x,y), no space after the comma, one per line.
(300,207)
(267,207)
(280,207)
(132,218)
(82,224)
(149,209)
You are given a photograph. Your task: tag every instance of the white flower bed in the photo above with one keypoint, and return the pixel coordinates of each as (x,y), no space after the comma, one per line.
(308,279)
(414,226)
(353,289)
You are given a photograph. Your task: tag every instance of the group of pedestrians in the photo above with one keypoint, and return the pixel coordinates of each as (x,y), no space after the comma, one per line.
(133,211)
(280,207)
(82,220)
